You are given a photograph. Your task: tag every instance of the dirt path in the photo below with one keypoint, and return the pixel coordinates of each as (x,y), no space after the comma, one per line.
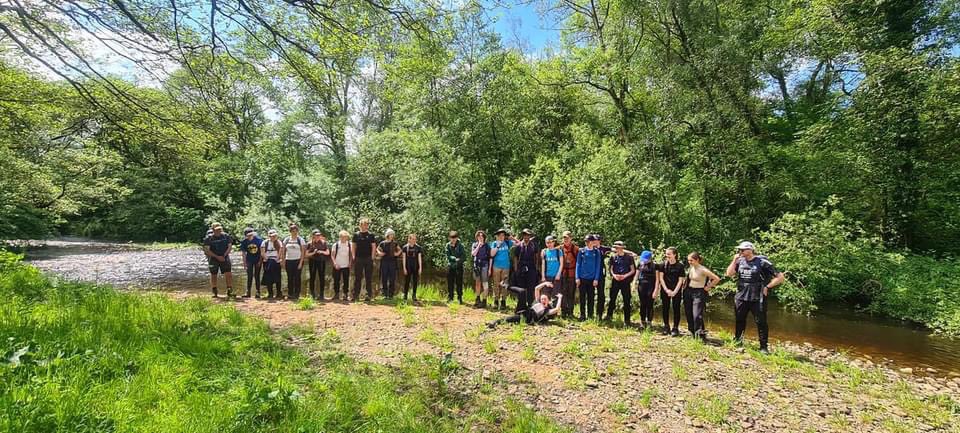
(602,379)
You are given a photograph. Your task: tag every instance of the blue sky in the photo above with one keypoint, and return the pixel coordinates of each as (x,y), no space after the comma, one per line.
(522,19)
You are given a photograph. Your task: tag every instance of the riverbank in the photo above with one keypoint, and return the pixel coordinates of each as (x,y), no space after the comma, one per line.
(891,343)
(587,377)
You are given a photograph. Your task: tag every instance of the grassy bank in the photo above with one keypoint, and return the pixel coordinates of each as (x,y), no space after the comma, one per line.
(84,358)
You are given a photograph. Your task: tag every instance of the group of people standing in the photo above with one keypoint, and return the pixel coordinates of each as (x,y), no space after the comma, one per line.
(546,281)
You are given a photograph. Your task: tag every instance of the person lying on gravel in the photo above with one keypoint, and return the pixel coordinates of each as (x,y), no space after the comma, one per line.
(539,312)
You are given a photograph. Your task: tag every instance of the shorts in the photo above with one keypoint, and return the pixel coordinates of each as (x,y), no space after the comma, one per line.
(500,276)
(219,267)
(482,273)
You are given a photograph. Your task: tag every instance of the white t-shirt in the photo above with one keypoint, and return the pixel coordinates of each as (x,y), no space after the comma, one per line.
(342,257)
(269,252)
(294,247)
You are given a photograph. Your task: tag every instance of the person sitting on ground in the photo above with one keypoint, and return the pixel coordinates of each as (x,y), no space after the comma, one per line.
(539,312)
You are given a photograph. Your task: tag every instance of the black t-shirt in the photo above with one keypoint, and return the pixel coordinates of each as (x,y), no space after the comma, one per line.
(411,253)
(621,264)
(389,249)
(218,244)
(322,246)
(648,273)
(672,273)
(752,276)
(364,241)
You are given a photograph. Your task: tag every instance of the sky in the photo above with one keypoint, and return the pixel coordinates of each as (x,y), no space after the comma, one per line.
(521,19)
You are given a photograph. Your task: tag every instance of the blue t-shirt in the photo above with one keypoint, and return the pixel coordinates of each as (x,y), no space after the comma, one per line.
(589,264)
(251,249)
(502,259)
(551,260)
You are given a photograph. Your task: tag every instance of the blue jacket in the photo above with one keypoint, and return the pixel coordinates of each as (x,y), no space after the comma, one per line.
(589,263)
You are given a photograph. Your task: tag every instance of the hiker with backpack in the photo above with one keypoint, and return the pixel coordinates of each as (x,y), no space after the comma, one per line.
(341,256)
(482,262)
(292,255)
(552,270)
(271,264)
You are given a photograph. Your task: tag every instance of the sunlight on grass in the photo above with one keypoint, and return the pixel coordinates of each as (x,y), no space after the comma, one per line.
(306,303)
(407,314)
(710,408)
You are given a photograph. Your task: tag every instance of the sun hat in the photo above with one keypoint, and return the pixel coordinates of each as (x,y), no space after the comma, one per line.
(316,232)
(590,238)
(527,232)
(504,231)
(619,244)
(389,232)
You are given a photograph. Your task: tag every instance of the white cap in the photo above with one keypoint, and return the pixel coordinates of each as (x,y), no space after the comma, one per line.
(389,232)
(745,245)
(272,232)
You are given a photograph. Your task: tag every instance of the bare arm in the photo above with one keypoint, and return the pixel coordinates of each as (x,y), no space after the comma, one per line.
(714,280)
(776,281)
(732,267)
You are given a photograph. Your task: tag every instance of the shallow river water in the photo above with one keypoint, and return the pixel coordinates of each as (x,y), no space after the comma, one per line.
(837,328)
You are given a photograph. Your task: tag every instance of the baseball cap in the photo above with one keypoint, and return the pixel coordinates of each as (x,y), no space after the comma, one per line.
(745,245)
(316,232)
(619,244)
(248,230)
(272,232)
(590,238)
(550,238)
(646,256)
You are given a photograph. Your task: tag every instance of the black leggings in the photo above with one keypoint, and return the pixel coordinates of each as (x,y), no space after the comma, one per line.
(362,271)
(694,305)
(667,303)
(601,298)
(645,292)
(412,277)
(388,280)
(293,279)
(272,277)
(455,282)
(253,276)
(587,294)
(318,276)
(759,310)
(338,275)
(618,287)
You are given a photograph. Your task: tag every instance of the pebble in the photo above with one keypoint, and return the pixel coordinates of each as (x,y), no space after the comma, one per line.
(906,370)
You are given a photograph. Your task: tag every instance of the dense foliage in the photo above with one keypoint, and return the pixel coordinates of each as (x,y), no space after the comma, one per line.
(822,124)
(90,359)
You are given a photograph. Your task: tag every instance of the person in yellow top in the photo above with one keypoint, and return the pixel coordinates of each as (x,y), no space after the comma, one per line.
(700,280)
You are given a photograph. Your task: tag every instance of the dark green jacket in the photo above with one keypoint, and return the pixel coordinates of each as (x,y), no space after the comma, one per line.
(455,255)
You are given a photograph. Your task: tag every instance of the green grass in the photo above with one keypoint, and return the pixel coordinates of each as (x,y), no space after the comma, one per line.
(647,396)
(407,314)
(437,339)
(81,358)
(306,303)
(710,408)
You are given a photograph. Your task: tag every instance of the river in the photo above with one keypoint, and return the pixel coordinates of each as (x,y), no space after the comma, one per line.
(837,328)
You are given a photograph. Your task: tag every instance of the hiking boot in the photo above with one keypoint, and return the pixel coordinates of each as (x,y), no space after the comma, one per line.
(764,351)
(503,304)
(675,333)
(215,293)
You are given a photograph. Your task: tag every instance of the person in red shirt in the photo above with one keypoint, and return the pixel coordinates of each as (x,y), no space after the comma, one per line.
(568,281)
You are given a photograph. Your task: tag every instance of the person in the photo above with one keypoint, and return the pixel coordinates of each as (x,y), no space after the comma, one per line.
(601,287)
(291,255)
(535,313)
(318,252)
(527,264)
(756,275)
(552,269)
(622,269)
(412,265)
(250,245)
(589,263)
(363,247)
(647,286)
(388,251)
(271,264)
(342,258)
(455,254)
(568,284)
(700,280)
(480,251)
(671,274)
(500,271)
(217,248)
